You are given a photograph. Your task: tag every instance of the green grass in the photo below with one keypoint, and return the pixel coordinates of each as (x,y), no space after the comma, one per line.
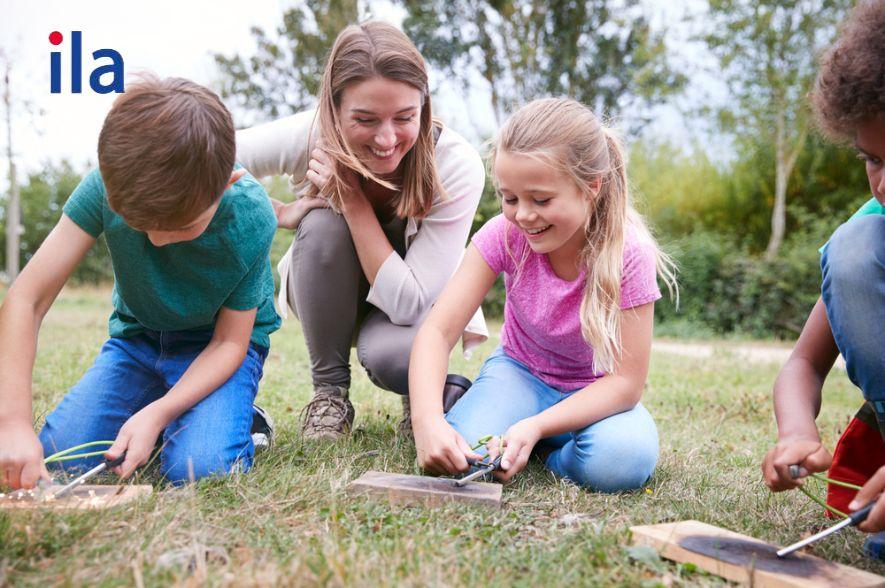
(288,521)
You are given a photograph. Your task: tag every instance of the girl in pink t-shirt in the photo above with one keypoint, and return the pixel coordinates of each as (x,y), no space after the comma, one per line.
(580,271)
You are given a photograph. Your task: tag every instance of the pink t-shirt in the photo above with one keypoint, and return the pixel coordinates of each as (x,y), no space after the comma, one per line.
(542,324)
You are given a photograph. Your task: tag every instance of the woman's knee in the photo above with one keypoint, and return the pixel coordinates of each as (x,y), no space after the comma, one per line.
(386,362)
(323,237)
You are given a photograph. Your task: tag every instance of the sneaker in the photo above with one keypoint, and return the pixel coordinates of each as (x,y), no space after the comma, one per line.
(456,386)
(262,430)
(329,415)
(404,427)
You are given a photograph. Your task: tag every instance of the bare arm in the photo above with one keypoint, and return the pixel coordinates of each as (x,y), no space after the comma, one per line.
(21,315)
(617,392)
(213,366)
(440,448)
(797,400)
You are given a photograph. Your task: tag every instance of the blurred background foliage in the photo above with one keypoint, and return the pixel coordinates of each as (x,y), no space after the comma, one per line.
(711,202)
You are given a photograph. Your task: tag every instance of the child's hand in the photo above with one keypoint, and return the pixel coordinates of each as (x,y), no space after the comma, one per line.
(137,438)
(807,453)
(289,214)
(519,440)
(21,456)
(874,488)
(441,450)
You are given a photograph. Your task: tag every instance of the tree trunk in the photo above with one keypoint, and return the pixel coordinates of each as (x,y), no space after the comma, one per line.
(785,161)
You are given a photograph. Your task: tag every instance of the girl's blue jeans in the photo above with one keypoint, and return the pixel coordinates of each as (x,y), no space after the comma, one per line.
(853,291)
(614,454)
(211,438)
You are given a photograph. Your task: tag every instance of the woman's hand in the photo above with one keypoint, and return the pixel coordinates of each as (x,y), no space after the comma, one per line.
(289,214)
(806,452)
(441,449)
(319,172)
(519,440)
(872,490)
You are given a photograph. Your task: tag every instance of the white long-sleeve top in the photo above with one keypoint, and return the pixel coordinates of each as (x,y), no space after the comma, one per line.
(405,287)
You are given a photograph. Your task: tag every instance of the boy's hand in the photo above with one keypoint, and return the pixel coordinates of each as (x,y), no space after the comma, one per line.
(21,456)
(874,488)
(807,453)
(519,440)
(137,438)
(289,214)
(441,450)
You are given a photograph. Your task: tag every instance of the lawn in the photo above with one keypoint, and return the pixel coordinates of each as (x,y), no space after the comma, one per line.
(289,522)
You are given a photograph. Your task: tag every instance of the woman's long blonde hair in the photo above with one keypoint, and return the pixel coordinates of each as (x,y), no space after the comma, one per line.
(566,135)
(377,49)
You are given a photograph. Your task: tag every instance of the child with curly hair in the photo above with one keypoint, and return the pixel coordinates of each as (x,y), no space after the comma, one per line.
(849,102)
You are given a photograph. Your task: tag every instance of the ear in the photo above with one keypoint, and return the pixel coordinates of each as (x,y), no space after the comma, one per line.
(235,177)
(595,186)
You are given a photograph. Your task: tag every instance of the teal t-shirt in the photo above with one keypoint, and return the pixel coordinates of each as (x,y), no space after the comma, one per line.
(182,286)
(871,207)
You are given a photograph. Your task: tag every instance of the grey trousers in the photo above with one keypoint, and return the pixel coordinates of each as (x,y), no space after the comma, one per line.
(328,289)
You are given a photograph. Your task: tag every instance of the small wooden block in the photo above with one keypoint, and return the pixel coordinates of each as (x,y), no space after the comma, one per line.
(423,490)
(86,497)
(744,559)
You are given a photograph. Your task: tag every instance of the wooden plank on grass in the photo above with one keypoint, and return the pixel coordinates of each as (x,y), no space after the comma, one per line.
(86,497)
(423,490)
(744,559)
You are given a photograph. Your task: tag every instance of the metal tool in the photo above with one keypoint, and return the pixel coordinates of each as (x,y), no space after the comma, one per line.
(485,467)
(853,519)
(106,464)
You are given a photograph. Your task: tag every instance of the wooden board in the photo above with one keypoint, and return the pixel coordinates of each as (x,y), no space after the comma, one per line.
(86,497)
(744,559)
(423,490)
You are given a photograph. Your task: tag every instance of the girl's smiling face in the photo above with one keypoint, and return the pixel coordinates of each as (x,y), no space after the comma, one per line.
(380,120)
(544,203)
(870,144)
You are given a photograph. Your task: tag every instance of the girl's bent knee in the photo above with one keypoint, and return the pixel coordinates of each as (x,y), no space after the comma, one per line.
(190,468)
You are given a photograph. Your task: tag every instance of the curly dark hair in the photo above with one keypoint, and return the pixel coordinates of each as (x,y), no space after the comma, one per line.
(850,87)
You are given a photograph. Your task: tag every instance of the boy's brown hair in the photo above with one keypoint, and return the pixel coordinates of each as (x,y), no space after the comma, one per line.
(850,87)
(166,152)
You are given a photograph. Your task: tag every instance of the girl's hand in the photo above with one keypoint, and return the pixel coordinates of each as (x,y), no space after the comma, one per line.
(441,449)
(137,438)
(806,452)
(874,488)
(519,440)
(289,214)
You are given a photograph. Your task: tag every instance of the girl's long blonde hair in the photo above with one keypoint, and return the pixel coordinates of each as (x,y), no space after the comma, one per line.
(566,135)
(377,49)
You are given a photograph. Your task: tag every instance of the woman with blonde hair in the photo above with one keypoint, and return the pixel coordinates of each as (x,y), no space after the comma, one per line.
(580,272)
(387,198)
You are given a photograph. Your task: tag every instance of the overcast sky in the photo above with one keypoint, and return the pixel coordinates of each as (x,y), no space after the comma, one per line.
(169,37)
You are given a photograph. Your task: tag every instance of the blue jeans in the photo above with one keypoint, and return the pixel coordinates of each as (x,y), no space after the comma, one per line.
(614,454)
(853,291)
(211,438)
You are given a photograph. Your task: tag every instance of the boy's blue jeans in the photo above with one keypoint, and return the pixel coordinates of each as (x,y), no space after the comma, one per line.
(853,291)
(614,454)
(211,438)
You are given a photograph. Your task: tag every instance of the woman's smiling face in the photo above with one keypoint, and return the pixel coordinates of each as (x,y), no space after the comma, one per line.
(380,120)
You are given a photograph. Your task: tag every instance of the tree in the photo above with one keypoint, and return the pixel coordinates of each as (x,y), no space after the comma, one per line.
(767,51)
(13,206)
(284,75)
(600,52)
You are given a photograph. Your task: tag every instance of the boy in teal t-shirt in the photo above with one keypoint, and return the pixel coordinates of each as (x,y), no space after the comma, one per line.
(189,239)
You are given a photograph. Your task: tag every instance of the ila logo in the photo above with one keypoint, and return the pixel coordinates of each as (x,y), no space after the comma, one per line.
(114,68)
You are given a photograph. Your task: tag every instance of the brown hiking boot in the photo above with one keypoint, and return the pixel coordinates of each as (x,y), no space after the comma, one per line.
(329,415)
(404,427)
